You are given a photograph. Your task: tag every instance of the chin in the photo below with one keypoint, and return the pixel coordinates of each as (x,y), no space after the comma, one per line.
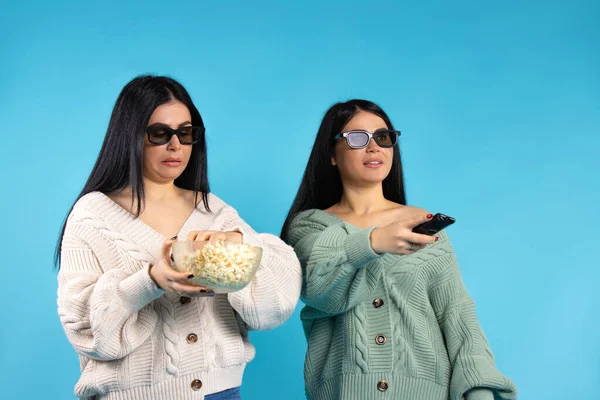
(169,175)
(376,177)
(368,181)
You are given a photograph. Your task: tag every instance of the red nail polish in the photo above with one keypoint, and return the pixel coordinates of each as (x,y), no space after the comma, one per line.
(437,238)
(429,216)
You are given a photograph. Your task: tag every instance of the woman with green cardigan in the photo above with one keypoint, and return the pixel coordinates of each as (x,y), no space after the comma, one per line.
(387,315)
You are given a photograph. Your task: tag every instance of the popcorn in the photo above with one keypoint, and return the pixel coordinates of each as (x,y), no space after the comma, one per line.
(221,264)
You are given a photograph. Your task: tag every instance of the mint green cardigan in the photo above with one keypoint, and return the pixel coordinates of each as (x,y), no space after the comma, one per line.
(388,326)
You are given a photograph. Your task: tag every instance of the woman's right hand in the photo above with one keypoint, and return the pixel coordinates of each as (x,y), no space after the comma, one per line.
(398,237)
(173,281)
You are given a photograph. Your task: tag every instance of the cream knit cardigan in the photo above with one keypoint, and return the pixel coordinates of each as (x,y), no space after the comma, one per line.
(134,340)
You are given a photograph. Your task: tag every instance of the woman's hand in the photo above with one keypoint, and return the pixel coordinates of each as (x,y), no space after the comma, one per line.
(398,237)
(173,281)
(234,237)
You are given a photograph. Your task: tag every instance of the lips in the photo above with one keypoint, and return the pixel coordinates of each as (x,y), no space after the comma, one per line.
(172,162)
(373,161)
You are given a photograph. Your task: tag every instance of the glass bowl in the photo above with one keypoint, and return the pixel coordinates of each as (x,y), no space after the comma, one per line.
(221,266)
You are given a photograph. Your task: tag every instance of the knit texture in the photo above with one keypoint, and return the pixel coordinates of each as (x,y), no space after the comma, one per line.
(131,335)
(388,326)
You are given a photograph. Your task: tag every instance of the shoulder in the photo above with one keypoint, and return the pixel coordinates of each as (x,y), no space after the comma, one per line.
(408,211)
(215,203)
(439,254)
(219,209)
(308,222)
(314,215)
(91,204)
(89,200)
(443,244)
(439,262)
(414,209)
(89,216)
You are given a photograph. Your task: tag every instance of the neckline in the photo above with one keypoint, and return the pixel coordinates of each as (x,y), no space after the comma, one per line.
(386,258)
(135,220)
(338,219)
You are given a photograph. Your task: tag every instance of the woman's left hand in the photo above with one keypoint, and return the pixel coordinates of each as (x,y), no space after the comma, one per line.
(212,236)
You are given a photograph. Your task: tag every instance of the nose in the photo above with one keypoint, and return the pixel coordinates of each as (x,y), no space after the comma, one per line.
(174,144)
(373,147)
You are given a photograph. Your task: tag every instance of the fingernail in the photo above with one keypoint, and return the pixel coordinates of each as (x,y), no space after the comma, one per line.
(437,238)
(429,216)
(202,290)
(190,276)
(171,257)
(174,238)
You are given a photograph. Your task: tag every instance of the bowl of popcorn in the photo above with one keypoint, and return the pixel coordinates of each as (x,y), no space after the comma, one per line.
(221,266)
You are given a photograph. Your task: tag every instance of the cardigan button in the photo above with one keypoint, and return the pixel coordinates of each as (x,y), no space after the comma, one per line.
(382,386)
(184,300)
(380,339)
(192,338)
(196,384)
(377,303)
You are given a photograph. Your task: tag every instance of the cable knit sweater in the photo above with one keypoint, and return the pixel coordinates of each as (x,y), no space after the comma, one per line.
(134,340)
(388,326)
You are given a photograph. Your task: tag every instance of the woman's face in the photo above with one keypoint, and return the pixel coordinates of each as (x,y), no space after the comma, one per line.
(366,166)
(164,163)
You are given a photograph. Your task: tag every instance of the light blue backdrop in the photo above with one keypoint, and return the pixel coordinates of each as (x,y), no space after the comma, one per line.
(499,107)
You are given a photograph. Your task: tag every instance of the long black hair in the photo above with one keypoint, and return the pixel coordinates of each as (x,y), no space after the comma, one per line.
(120,163)
(321,185)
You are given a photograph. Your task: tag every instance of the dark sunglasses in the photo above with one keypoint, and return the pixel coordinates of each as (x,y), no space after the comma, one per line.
(360,139)
(160,134)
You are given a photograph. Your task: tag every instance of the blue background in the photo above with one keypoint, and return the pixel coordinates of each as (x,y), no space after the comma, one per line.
(498,102)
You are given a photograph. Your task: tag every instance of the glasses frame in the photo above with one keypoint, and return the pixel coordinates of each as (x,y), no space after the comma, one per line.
(197,132)
(370,135)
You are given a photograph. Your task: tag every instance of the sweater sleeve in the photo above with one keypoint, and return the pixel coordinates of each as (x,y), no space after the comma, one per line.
(270,299)
(106,313)
(472,361)
(479,394)
(337,264)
